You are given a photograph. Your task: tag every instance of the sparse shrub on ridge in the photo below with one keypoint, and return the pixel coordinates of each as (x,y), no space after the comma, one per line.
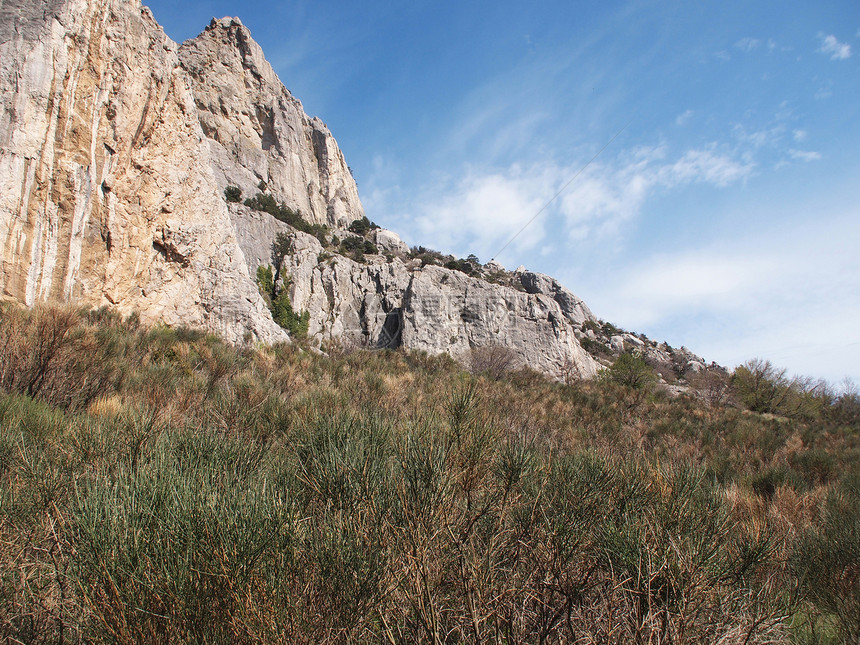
(362,226)
(355,247)
(268,204)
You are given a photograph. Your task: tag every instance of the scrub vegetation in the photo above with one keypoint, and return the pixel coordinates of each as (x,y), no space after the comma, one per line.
(157,485)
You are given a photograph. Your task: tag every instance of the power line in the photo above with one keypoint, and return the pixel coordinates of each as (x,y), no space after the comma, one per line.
(561,190)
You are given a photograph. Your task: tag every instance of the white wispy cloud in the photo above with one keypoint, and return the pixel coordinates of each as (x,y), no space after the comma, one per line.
(608,195)
(823,93)
(831,46)
(705,165)
(747,44)
(768,295)
(768,136)
(700,279)
(800,135)
(804,155)
(684,117)
(481,210)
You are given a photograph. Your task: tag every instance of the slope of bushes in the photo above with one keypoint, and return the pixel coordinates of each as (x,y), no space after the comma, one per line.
(157,485)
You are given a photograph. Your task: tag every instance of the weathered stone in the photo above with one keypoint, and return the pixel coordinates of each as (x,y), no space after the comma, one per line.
(431,309)
(631,340)
(574,309)
(389,241)
(116,147)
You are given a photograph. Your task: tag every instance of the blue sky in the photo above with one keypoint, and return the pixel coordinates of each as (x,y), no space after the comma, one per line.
(725,217)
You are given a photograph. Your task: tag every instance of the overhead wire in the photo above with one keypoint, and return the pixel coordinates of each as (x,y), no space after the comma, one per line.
(560,191)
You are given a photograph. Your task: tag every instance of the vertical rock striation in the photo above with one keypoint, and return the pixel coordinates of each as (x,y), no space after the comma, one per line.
(105,196)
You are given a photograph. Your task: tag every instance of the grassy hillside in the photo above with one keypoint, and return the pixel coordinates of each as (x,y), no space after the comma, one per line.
(157,485)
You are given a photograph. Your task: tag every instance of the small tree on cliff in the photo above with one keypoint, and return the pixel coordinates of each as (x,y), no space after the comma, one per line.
(281,248)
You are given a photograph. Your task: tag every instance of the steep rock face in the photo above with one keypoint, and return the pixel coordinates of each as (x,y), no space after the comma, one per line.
(115,147)
(258,132)
(390,304)
(448,311)
(102,196)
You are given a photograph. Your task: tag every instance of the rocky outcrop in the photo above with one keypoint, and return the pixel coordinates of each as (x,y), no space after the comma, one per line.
(258,132)
(573,308)
(105,197)
(389,242)
(433,309)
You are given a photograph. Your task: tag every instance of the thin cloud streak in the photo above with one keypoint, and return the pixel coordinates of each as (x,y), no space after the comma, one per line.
(804,155)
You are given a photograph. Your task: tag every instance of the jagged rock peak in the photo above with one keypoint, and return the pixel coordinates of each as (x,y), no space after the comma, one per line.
(226,22)
(260,137)
(573,307)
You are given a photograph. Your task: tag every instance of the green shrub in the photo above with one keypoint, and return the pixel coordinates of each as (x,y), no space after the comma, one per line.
(827,562)
(264,202)
(265,282)
(360,226)
(761,387)
(217,493)
(632,371)
(427,256)
(464,266)
(268,204)
(355,247)
(233,194)
(168,549)
(283,314)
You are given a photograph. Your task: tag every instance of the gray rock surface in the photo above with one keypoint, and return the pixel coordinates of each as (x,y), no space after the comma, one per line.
(574,309)
(432,309)
(389,241)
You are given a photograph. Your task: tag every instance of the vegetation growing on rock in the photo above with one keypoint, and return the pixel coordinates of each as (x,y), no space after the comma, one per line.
(233,194)
(274,287)
(268,204)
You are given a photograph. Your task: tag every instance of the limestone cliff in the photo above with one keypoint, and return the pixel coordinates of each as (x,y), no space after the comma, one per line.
(115,148)
(393,303)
